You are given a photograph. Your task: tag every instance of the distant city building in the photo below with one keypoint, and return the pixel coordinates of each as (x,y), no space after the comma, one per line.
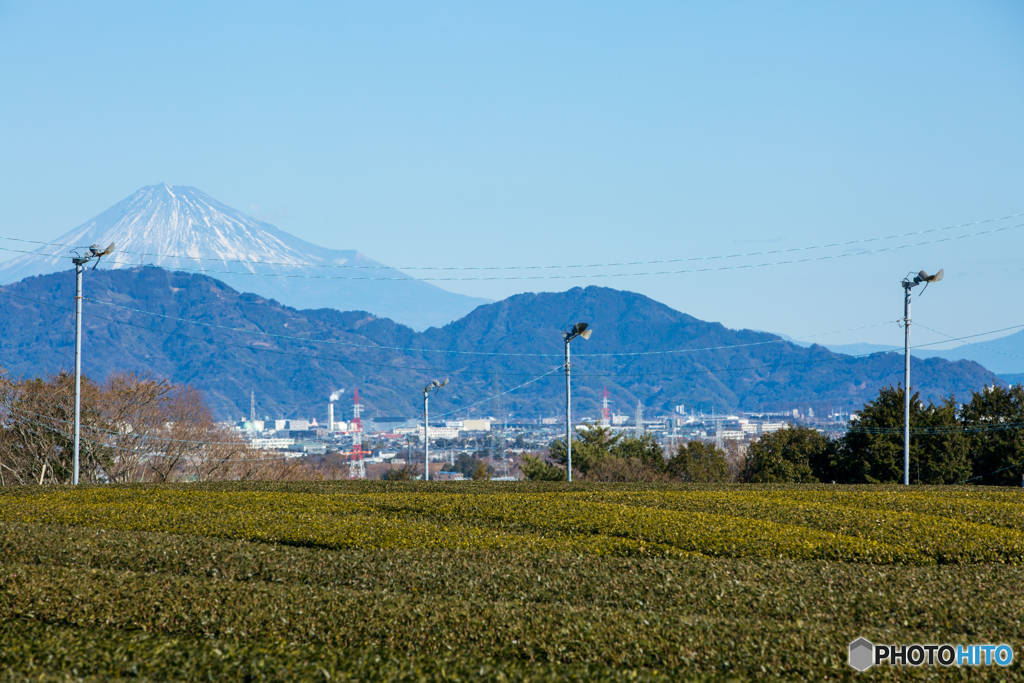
(619,420)
(769,427)
(313,433)
(280,424)
(271,444)
(449,476)
(298,425)
(810,412)
(435,432)
(477,425)
(731,435)
(680,409)
(308,448)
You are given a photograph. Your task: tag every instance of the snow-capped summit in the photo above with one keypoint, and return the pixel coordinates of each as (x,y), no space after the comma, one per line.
(183,228)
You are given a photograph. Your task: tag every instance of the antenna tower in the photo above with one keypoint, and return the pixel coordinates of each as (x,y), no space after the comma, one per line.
(606,415)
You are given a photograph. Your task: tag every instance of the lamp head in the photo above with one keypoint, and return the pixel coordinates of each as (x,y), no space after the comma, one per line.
(435,385)
(927,279)
(96,253)
(578,330)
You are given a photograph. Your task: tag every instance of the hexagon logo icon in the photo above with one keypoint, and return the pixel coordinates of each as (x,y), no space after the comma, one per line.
(862,654)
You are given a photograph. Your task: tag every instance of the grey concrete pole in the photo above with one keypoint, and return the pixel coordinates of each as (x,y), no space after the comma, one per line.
(426,435)
(906,387)
(79,267)
(568,412)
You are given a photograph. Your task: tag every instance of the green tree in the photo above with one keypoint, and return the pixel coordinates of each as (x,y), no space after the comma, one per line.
(643,449)
(466,464)
(699,462)
(537,469)
(993,422)
(482,471)
(872,449)
(592,445)
(940,451)
(404,473)
(793,454)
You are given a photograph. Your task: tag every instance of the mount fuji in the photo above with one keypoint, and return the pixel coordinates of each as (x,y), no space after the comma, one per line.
(182,228)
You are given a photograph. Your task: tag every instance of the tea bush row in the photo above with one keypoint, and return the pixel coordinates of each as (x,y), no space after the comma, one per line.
(803,525)
(458,609)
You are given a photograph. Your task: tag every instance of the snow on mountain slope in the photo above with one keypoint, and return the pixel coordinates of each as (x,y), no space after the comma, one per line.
(182,228)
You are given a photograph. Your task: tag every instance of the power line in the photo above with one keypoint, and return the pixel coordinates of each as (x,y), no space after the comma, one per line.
(958,429)
(989,474)
(274,351)
(441,351)
(980,346)
(126,436)
(555,267)
(132,450)
(572,276)
(836,358)
(491,398)
(479,353)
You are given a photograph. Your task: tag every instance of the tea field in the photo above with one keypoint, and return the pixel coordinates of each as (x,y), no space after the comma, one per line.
(480,581)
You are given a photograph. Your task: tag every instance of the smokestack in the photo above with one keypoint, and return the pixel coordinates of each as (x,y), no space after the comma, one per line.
(330,417)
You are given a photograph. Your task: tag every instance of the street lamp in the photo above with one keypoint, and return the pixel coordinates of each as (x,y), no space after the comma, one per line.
(909,284)
(80,262)
(436,387)
(578,330)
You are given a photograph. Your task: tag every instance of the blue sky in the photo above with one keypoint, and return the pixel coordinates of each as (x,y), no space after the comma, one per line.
(512,134)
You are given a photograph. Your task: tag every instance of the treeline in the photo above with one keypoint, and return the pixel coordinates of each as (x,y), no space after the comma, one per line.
(133,429)
(599,455)
(981,441)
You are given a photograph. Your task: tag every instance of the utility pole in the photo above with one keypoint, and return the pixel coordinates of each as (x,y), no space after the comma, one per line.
(80,262)
(79,266)
(568,412)
(436,386)
(426,434)
(909,284)
(578,330)
(906,381)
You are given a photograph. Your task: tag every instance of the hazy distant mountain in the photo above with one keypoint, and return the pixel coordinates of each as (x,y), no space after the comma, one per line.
(640,350)
(1004,355)
(181,227)
(1001,356)
(861,349)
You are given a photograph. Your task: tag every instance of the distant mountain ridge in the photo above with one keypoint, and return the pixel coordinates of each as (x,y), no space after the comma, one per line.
(181,227)
(194,329)
(1004,355)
